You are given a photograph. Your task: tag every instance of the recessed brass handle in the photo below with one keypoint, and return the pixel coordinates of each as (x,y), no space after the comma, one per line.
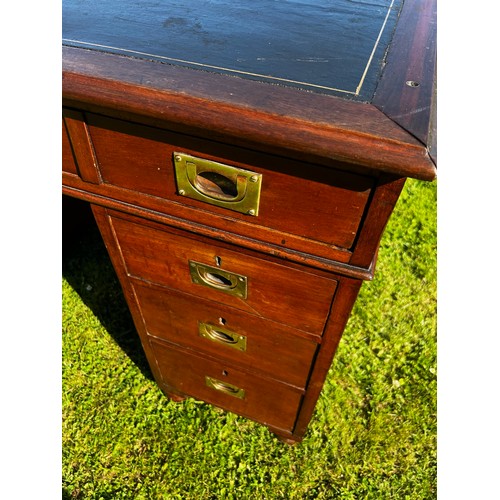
(218,279)
(222,336)
(218,184)
(224,387)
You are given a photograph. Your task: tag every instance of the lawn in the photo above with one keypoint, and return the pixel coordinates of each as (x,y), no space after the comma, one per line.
(373,434)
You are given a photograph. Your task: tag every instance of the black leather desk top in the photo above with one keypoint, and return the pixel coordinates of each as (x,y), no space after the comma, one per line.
(334,47)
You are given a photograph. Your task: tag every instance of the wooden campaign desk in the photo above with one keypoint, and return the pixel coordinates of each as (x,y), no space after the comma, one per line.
(242,160)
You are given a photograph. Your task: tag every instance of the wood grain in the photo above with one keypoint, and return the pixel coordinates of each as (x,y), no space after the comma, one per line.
(381,206)
(75,188)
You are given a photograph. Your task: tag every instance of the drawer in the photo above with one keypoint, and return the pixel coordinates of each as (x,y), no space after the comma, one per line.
(244,340)
(287,295)
(299,203)
(268,402)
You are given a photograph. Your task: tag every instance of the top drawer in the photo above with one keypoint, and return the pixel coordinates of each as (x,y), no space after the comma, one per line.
(300,204)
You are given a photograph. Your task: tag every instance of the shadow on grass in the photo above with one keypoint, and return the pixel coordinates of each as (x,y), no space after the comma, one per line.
(87,268)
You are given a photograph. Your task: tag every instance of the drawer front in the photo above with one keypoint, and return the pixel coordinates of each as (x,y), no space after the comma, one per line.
(295,199)
(226,333)
(272,291)
(268,402)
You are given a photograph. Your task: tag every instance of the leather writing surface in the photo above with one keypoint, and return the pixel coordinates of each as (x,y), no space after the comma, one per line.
(334,47)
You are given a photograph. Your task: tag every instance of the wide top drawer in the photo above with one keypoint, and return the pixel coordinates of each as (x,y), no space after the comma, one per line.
(298,206)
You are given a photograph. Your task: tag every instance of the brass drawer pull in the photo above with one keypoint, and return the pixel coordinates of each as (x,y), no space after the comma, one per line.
(222,336)
(219,279)
(218,184)
(224,387)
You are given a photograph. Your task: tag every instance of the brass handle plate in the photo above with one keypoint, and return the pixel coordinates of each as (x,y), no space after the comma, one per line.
(225,388)
(218,184)
(222,336)
(218,279)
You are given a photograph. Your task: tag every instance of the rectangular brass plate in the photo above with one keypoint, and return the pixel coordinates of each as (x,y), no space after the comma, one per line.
(218,184)
(222,336)
(218,279)
(225,388)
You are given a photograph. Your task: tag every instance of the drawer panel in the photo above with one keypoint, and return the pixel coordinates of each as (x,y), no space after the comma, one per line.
(297,199)
(226,333)
(268,402)
(274,291)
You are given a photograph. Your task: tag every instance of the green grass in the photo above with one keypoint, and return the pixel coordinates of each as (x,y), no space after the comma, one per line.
(373,434)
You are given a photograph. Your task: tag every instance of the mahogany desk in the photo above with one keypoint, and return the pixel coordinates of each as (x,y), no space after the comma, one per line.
(242,160)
